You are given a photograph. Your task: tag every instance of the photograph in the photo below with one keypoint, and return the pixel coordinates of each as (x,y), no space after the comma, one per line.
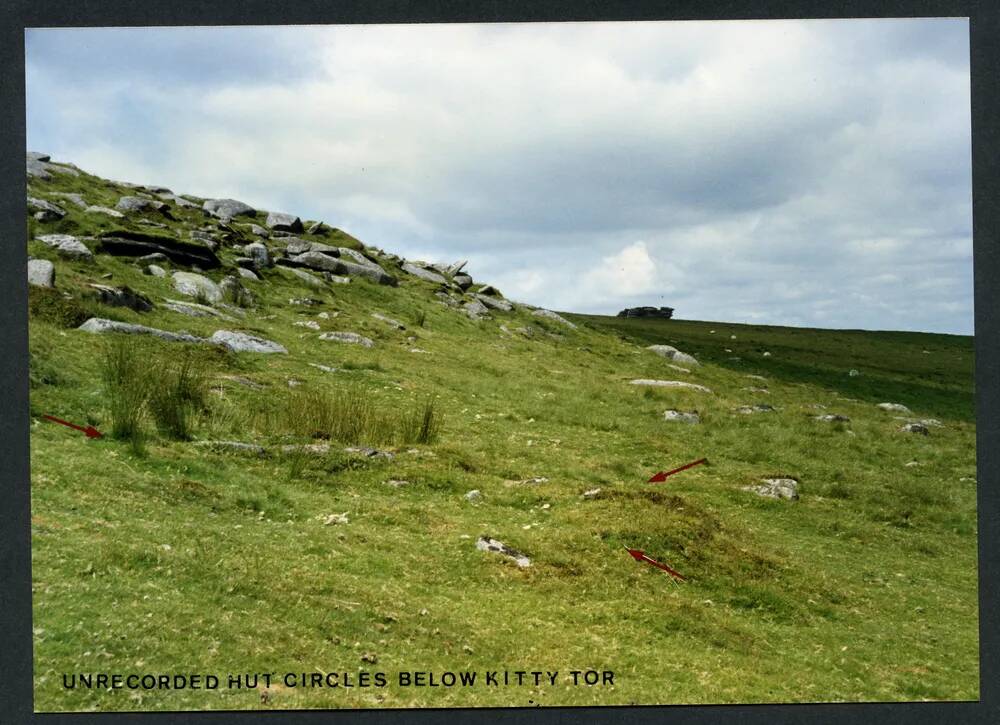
(501,365)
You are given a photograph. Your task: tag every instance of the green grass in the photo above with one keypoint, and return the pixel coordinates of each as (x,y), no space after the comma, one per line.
(195,559)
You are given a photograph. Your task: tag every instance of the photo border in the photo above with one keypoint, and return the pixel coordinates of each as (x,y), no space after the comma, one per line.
(16,686)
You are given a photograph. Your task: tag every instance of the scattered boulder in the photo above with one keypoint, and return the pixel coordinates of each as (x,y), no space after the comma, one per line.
(591,494)
(122,297)
(154,270)
(67,246)
(248,274)
(351,338)
(197,285)
(777,488)
(310,279)
(259,254)
(424,274)
(259,231)
(672,353)
(678,416)
(45,211)
(104,210)
(474,496)
(670,384)
(488,543)
(141,204)
(41,273)
(227,209)
(495,303)
(127,243)
(463,281)
(389,321)
(192,309)
(40,166)
(368,452)
(311,324)
(234,447)
(76,199)
(325,262)
(283,222)
(756,408)
(98,325)
(894,407)
(336,519)
(318,228)
(475,309)
(833,418)
(915,428)
(853,373)
(550,315)
(243,342)
(488,289)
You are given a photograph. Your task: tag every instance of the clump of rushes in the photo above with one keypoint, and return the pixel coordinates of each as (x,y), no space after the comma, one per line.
(127,380)
(419,425)
(180,392)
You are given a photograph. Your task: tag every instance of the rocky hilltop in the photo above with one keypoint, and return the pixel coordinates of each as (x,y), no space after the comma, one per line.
(217,253)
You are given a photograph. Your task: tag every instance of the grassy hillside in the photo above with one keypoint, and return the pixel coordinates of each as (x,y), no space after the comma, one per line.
(174,556)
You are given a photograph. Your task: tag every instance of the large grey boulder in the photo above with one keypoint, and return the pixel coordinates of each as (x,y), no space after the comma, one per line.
(259,254)
(226,209)
(130,243)
(336,265)
(197,285)
(550,315)
(41,273)
(113,213)
(140,204)
(98,325)
(283,222)
(72,198)
(40,166)
(496,303)
(424,274)
(351,338)
(318,228)
(122,297)
(296,245)
(672,353)
(475,309)
(45,211)
(67,246)
(243,342)
(310,279)
(463,281)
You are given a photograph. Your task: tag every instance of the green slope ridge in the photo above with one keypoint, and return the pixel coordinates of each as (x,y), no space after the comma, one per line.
(189,558)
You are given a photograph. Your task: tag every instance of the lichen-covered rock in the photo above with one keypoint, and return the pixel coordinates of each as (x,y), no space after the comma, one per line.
(67,246)
(672,353)
(41,273)
(197,285)
(488,543)
(243,342)
(98,325)
(777,488)
(351,338)
(670,384)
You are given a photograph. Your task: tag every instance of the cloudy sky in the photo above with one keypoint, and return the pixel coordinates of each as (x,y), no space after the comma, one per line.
(810,173)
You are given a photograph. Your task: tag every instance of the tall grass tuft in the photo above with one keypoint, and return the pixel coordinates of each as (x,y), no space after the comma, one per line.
(352,417)
(419,425)
(127,386)
(180,393)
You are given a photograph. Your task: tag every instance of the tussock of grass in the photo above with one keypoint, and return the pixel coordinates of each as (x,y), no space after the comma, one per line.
(128,383)
(180,392)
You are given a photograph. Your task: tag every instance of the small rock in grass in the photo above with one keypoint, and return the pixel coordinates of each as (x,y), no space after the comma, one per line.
(336,519)
(591,494)
(854,373)
(757,408)
(535,480)
(679,416)
(672,353)
(786,488)
(41,273)
(351,338)
(396,483)
(311,324)
(474,496)
(915,428)
(488,543)
(894,407)
(670,384)
(833,418)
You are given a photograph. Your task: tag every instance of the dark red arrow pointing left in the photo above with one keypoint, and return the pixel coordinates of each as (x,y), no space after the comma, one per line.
(640,555)
(661,476)
(90,430)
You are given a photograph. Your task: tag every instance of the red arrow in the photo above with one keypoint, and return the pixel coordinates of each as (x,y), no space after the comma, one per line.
(640,555)
(90,430)
(661,476)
